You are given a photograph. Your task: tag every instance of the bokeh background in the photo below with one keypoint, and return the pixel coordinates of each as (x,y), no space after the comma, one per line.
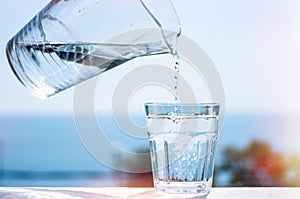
(255,46)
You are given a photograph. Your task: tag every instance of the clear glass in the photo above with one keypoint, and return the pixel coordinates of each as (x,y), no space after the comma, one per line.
(70,41)
(183,140)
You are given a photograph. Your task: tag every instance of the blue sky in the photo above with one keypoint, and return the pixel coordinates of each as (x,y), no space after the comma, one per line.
(254,44)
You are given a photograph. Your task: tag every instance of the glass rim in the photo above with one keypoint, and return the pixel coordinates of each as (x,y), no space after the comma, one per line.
(182,109)
(199,104)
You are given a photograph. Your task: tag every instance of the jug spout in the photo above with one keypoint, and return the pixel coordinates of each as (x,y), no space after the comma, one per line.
(166,19)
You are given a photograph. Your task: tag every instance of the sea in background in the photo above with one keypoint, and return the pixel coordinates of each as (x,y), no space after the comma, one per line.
(47,150)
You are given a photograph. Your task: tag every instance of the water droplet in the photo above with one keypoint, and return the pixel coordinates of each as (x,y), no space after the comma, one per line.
(81,9)
(176,76)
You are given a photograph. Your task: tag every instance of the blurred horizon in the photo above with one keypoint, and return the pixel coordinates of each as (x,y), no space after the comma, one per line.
(47,151)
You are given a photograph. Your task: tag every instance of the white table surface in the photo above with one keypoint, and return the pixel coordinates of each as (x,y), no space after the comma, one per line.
(122,192)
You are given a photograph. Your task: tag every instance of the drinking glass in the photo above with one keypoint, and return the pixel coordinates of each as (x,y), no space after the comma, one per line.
(183,140)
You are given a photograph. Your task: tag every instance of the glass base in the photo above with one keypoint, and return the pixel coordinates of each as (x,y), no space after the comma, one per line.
(197,188)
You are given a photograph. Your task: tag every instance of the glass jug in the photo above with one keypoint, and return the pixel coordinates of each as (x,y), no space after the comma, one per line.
(70,41)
